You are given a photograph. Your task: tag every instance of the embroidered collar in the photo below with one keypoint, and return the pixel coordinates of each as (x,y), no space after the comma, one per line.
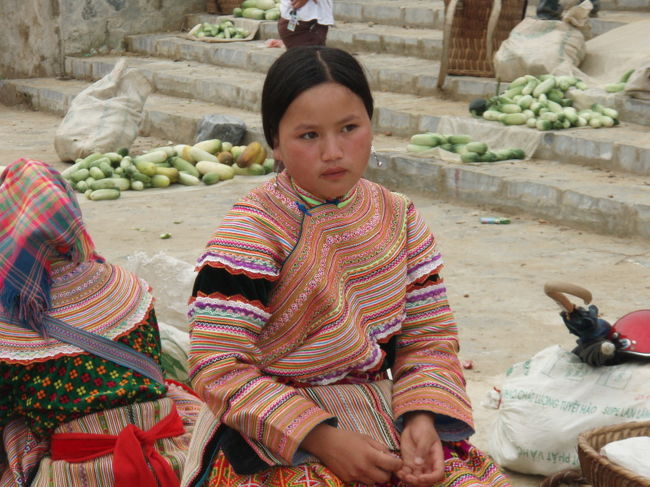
(313,201)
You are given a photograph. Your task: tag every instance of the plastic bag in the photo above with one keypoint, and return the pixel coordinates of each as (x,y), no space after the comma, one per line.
(171,280)
(547,401)
(105,116)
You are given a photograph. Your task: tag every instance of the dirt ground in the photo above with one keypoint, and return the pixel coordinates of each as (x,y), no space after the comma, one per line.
(494,273)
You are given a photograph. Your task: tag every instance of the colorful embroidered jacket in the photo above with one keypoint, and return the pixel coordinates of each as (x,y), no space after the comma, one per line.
(293,291)
(47,382)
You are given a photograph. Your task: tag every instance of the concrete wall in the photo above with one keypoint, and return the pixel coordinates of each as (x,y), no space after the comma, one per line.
(36,35)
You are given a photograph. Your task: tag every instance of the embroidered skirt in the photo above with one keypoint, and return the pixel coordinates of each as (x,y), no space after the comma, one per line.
(99,472)
(465,466)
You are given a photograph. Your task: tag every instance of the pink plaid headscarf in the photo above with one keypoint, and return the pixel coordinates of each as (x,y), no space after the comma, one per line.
(40,223)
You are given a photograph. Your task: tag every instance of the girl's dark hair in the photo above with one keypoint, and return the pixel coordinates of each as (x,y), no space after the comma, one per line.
(302,68)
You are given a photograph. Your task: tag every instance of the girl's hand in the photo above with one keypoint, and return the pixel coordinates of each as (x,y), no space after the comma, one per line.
(421,451)
(353,457)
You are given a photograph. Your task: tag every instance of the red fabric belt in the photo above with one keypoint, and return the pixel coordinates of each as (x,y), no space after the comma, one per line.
(129,468)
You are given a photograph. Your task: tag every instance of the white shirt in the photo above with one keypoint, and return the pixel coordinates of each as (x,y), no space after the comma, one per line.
(323,11)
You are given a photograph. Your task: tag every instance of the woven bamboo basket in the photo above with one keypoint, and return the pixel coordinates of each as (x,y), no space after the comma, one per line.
(599,470)
(222,6)
(473,31)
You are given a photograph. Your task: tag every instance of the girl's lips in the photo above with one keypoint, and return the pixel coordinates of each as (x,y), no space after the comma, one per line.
(336,171)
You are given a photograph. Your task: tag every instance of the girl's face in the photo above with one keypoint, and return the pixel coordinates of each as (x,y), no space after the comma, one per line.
(324,140)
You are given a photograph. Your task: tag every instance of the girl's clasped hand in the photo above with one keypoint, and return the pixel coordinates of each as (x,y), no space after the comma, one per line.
(358,458)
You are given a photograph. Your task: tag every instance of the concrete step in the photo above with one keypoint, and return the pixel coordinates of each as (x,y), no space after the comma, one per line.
(583,197)
(387,72)
(173,118)
(574,196)
(403,34)
(359,36)
(623,148)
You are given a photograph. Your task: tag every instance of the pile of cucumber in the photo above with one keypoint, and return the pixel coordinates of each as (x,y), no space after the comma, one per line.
(258,10)
(463,145)
(225,29)
(621,84)
(103,176)
(542,103)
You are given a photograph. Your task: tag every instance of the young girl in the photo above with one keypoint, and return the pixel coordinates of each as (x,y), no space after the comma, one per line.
(315,286)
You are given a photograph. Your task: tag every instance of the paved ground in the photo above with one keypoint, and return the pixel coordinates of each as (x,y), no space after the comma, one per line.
(495,273)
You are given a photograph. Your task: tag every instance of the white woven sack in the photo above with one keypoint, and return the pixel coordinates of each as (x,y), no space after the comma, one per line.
(105,116)
(547,401)
(536,47)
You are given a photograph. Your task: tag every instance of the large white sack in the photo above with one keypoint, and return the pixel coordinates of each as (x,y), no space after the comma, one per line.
(537,47)
(105,116)
(547,401)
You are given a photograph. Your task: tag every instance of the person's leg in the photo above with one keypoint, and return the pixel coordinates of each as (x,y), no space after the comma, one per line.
(549,10)
(305,34)
(596,9)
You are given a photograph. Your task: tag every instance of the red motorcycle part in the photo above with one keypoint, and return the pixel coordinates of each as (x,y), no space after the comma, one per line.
(632,332)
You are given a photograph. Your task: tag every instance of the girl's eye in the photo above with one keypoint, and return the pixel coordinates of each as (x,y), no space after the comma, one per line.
(309,135)
(349,128)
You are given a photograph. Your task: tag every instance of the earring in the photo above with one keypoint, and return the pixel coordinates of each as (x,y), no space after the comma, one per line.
(378,161)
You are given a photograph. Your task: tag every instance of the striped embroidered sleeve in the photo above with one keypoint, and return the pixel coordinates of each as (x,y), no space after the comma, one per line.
(427,371)
(227,313)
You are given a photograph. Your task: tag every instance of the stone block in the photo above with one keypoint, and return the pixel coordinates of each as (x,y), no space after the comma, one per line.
(230,56)
(473,186)
(368,41)
(633,159)
(384,13)
(175,83)
(573,148)
(429,48)
(421,17)
(395,81)
(192,51)
(538,198)
(349,12)
(166,47)
(176,128)
(262,59)
(77,67)
(428,123)
(223,127)
(400,123)
(53,101)
(636,110)
(425,84)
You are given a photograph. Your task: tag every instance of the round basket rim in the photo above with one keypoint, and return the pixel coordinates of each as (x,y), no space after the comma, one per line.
(594,464)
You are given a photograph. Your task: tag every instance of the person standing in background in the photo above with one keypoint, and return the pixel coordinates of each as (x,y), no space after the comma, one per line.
(552,10)
(305,22)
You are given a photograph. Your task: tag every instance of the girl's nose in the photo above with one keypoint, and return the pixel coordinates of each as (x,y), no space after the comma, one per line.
(331,149)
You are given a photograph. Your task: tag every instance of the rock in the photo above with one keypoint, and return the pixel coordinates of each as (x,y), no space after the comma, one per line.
(223,127)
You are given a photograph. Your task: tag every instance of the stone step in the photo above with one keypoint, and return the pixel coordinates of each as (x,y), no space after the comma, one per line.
(574,196)
(167,117)
(399,113)
(430,13)
(406,35)
(386,72)
(584,197)
(359,36)
(623,149)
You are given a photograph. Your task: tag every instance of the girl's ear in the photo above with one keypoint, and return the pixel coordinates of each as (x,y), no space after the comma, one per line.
(277,153)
